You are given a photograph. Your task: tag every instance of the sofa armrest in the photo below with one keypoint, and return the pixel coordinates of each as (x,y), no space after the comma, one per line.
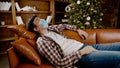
(15,61)
(13,58)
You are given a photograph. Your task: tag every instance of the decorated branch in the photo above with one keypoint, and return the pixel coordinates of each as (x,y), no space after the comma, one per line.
(86,14)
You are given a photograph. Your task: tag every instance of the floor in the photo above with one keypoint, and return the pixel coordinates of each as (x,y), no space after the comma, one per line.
(4,61)
(3,54)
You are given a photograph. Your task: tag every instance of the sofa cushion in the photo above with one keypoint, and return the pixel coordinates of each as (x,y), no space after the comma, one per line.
(27,51)
(20,30)
(32,42)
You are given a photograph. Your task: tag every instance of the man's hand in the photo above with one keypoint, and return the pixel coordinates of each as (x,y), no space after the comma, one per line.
(82,33)
(87,50)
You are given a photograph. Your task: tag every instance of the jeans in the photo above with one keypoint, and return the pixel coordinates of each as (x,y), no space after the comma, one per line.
(106,56)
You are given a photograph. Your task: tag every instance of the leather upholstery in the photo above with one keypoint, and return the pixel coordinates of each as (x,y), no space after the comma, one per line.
(74,35)
(14,59)
(95,36)
(27,51)
(20,30)
(108,35)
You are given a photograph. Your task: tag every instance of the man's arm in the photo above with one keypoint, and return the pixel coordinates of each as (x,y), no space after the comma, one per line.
(82,33)
(51,52)
(61,27)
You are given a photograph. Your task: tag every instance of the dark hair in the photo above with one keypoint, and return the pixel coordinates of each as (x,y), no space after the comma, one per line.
(29,24)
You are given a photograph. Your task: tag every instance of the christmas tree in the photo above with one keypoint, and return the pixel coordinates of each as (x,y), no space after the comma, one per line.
(86,14)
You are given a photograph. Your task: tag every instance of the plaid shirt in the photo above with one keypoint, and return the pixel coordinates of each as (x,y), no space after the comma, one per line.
(53,52)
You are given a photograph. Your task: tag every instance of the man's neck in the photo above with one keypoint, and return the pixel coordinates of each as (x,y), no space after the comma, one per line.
(44,31)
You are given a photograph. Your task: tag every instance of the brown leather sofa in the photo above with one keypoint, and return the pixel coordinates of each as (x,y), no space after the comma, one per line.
(96,36)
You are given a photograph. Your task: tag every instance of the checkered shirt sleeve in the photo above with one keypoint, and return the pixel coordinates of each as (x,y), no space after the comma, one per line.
(61,27)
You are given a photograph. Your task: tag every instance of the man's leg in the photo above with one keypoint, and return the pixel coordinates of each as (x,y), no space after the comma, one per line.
(108,46)
(100,59)
(107,56)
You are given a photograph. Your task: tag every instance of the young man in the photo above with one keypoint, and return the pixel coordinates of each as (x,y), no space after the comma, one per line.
(69,53)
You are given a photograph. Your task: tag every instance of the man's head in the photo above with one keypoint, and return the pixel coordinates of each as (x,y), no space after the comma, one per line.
(30,25)
(36,25)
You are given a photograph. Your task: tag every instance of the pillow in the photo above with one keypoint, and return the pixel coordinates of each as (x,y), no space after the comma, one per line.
(32,42)
(27,51)
(20,30)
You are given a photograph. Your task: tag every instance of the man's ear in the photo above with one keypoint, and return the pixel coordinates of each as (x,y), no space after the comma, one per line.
(35,29)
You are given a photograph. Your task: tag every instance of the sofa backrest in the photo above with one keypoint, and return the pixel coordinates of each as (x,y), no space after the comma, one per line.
(96,36)
(107,35)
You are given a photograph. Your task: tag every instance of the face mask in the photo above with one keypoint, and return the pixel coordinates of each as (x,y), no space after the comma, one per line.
(43,23)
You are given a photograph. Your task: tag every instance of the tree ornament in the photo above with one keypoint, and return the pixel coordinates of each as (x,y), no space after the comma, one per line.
(82,27)
(91,9)
(84,15)
(95,11)
(78,2)
(87,23)
(88,18)
(73,8)
(101,14)
(78,21)
(74,21)
(65,15)
(68,8)
(88,3)
(100,19)
(95,27)
(71,17)
(94,22)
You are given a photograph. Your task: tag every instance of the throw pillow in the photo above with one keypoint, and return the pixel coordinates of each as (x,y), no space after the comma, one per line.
(32,42)
(27,51)
(20,30)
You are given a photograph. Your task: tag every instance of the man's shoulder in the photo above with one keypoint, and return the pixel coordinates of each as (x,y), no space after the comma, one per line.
(57,25)
(41,38)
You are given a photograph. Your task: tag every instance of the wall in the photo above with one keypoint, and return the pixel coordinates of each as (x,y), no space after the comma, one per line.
(111,14)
